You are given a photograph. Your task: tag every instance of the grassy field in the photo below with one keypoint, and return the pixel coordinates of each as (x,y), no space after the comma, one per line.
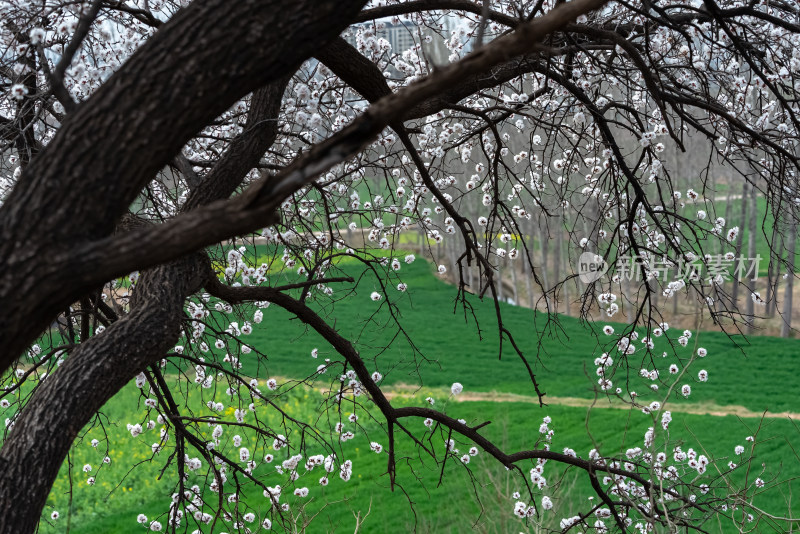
(759,375)
(112,506)
(562,355)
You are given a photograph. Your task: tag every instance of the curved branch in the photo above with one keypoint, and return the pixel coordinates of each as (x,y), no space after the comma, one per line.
(393,415)
(194,68)
(105,258)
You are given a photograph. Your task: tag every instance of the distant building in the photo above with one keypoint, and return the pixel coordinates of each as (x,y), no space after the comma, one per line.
(401,36)
(405,35)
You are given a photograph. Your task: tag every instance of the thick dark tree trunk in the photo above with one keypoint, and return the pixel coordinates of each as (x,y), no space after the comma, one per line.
(194,68)
(95,372)
(101,366)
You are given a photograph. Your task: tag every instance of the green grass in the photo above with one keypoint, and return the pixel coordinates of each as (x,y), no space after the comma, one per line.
(562,357)
(759,375)
(451,507)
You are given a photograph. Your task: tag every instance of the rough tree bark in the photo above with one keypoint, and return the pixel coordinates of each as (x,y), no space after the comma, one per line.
(60,165)
(73,194)
(41,437)
(69,398)
(195,67)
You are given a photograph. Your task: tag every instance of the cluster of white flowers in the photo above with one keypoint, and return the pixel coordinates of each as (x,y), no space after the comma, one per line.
(343,215)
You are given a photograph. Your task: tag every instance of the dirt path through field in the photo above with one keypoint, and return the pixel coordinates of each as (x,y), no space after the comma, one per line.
(404,390)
